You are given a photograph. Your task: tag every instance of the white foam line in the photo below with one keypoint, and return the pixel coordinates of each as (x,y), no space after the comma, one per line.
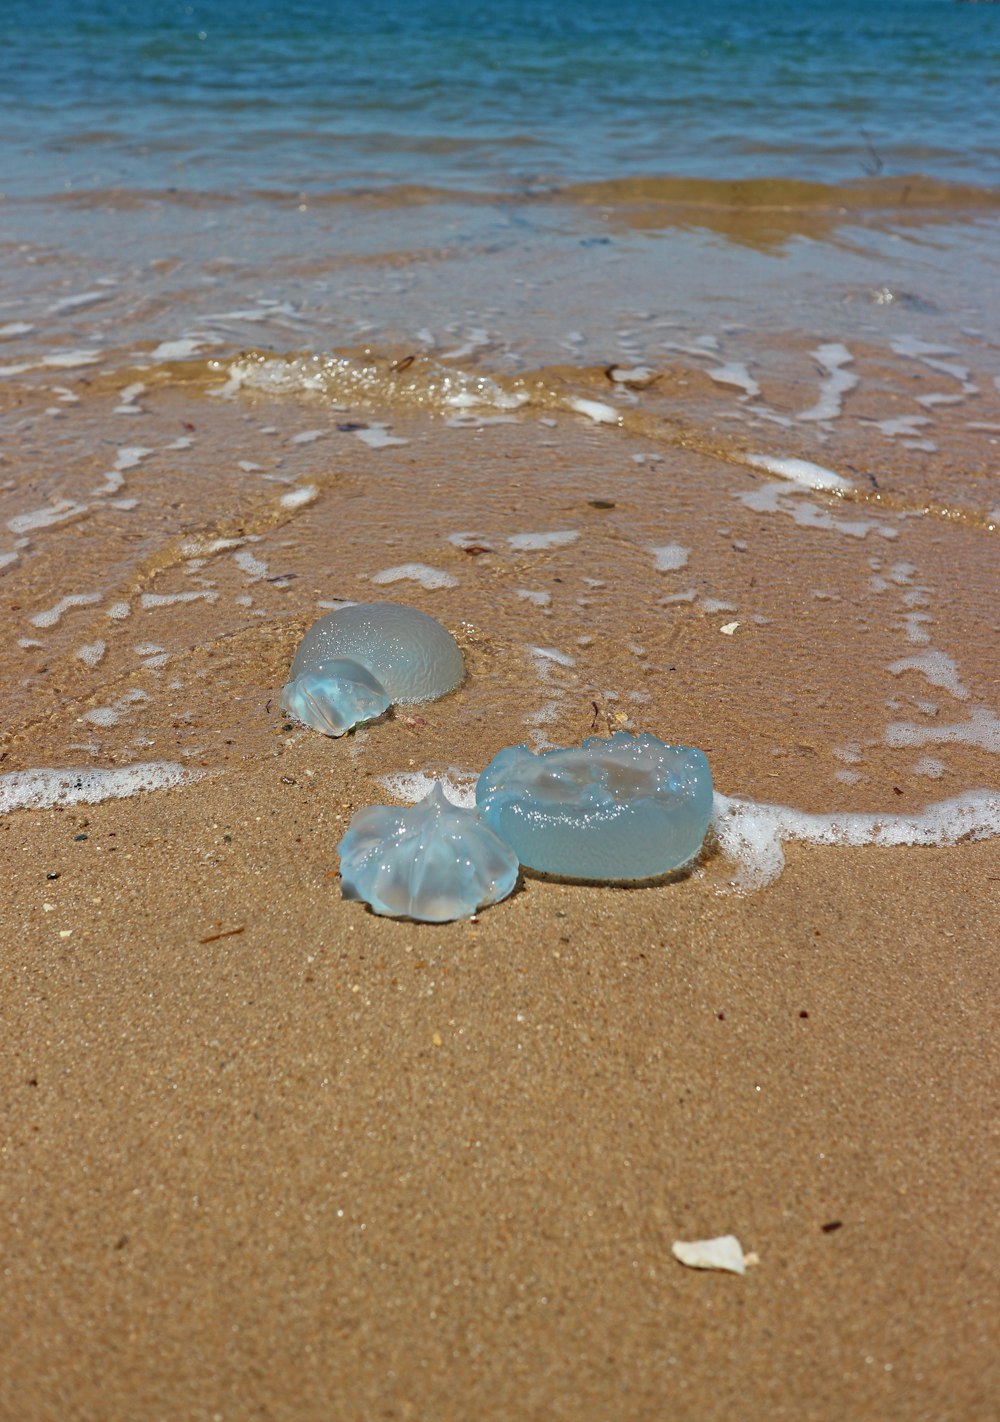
(752,834)
(421,573)
(982,729)
(800,471)
(595,410)
(832,357)
(72,303)
(537,542)
(939,669)
(670,557)
(377,437)
(735,373)
(298,498)
(552,654)
(58,512)
(51,616)
(149,600)
(178,350)
(41,789)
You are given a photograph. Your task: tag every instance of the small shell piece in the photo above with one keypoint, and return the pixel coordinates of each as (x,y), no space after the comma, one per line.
(621,808)
(724,1253)
(433,861)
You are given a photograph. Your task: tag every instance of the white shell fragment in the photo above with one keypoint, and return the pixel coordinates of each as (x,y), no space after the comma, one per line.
(725,1253)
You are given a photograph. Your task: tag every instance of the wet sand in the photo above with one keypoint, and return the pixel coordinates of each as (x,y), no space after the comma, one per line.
(268,1155)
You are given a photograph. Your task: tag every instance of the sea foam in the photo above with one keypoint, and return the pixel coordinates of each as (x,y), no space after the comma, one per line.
(41,789)
(752,834)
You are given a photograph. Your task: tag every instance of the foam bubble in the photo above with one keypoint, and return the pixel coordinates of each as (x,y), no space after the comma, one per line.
(149,600)
(377,437)
(800,471)
(177,350)
(832,357)
(982,729)
(40,789)
(938,668)
(102,716)
(752,834)
(793,501)
(58,512)
(298,498)
(536,542)
(51,616)
(735,373)
(595,410)
(255,568)
(92,652)
(670,556)
(421,573)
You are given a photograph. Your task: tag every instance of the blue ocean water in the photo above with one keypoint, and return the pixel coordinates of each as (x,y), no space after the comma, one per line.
(325,95)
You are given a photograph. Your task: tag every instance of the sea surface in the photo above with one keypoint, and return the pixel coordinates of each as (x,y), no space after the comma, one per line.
(325,96)
(659,343)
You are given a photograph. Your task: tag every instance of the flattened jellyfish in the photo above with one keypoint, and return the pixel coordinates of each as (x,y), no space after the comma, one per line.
(432,861)
(629,807)
(356,661)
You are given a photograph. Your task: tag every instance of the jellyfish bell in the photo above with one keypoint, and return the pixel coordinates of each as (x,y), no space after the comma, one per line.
(381,652)
(612,809)
(432,862)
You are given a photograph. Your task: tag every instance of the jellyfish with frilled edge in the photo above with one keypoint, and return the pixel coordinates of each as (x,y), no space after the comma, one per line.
(433,861)
(615,809)
(357,661)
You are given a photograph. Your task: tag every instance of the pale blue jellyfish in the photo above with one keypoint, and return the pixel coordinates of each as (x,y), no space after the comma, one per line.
(357,661)
(433,861)
(629,807)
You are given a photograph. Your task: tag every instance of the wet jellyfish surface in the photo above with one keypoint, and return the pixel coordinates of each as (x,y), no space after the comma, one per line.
(356,661)
(625,807)
(432,861)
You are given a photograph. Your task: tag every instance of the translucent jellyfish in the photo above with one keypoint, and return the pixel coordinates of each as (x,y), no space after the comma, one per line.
(629,807)
(355,662)
(432,861)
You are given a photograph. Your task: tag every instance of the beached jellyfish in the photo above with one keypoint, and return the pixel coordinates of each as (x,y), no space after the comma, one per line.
(356,661)
(629,807)
(433,861)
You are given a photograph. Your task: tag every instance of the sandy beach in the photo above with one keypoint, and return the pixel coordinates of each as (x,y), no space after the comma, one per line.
(655,352)
(269,1155)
